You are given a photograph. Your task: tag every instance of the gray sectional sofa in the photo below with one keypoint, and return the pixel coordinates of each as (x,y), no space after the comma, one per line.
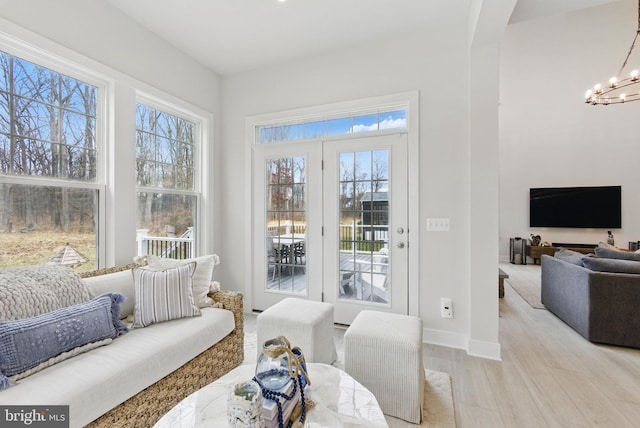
(596,296)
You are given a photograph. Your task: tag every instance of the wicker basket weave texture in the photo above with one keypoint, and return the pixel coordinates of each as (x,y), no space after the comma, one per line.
(149,405)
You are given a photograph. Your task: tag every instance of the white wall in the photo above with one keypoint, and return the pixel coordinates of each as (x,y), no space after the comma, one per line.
(488,20)
(101,32)
(435,62)
(549,136)
(92,34)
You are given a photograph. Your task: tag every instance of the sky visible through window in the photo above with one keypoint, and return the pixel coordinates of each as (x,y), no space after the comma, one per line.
(395,119)
(48,145)
(47,122)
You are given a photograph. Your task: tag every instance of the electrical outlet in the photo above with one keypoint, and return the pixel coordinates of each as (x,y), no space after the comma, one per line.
(446,307)
(437,224)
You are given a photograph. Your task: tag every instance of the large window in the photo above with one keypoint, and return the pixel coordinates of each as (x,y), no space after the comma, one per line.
(49,174)
(167,191)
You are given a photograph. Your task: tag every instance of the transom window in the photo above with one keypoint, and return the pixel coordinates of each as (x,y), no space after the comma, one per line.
(336,125)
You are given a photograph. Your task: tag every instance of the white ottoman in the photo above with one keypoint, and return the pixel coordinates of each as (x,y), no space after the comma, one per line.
(305,323)
(383,352)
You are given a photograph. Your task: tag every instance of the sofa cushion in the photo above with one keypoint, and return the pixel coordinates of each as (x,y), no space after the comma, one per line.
(614,253)
(33,290)
(570,256)
(97,381)
(32,342)
(202,276)
(163,295)
(607,245)
(116,282)
(611,265)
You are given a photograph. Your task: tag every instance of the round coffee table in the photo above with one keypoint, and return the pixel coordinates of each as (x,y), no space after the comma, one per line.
(340,401)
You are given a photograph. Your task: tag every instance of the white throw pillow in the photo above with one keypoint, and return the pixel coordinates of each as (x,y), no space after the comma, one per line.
(118,282)
(163,295)
(202,277)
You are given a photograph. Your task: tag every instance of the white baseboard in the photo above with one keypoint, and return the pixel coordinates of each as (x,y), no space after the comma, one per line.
(476,348)
(445,338)
(489,350)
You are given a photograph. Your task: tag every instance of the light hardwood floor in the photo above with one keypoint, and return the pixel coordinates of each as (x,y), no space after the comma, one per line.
(549,376)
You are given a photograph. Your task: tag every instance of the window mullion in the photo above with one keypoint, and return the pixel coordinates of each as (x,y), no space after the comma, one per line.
(12,118)
(59,126)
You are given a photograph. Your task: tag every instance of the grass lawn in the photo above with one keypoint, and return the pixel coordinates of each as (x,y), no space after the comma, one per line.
(37,247)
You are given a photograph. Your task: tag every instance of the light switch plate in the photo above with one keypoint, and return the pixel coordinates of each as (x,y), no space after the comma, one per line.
(437,224)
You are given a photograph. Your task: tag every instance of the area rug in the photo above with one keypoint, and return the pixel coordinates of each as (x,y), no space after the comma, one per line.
(525,280)
(438,395)
(438,410)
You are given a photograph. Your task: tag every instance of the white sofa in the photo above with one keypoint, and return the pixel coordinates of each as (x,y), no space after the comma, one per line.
(139,376)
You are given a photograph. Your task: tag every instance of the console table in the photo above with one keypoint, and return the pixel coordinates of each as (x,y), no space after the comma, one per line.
(340,401)
(536,251)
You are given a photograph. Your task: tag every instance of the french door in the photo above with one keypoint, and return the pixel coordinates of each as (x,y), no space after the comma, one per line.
(287,226)
(365,220)
(330,223)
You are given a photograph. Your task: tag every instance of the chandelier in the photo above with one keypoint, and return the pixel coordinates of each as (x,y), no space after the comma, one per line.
(613,92)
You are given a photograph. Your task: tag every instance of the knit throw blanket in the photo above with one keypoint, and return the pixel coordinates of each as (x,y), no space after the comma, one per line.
(33,290)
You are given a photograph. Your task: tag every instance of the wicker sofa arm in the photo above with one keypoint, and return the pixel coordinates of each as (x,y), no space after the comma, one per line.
(232,301)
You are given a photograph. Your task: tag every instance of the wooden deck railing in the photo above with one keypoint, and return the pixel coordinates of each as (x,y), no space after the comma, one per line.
(163,246)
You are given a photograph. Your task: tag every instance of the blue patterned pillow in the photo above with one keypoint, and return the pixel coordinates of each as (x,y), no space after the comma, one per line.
(29,342)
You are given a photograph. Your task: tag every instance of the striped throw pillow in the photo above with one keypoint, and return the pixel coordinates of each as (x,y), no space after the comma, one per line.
(163,295)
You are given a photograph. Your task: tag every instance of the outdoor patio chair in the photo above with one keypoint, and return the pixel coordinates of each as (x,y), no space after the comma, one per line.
(276,255)
(299,253)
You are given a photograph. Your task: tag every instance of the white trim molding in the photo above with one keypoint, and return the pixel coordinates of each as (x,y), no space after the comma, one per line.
(474,348)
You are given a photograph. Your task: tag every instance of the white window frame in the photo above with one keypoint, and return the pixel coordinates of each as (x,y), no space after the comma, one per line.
(69,68)
(115,134)
(200,153)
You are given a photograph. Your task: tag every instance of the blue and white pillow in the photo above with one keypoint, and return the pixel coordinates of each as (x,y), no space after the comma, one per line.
(29,343)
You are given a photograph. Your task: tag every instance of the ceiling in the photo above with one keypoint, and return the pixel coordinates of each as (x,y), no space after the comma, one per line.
(234,36)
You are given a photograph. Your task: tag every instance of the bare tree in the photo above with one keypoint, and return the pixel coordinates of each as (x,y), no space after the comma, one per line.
(164,152)
(379,174)
(47,129)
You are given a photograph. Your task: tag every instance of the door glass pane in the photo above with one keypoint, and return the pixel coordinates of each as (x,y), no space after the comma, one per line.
(286,225)
(364,226)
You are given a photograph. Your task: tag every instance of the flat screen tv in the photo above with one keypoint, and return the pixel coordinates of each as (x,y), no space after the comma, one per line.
(584,207)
